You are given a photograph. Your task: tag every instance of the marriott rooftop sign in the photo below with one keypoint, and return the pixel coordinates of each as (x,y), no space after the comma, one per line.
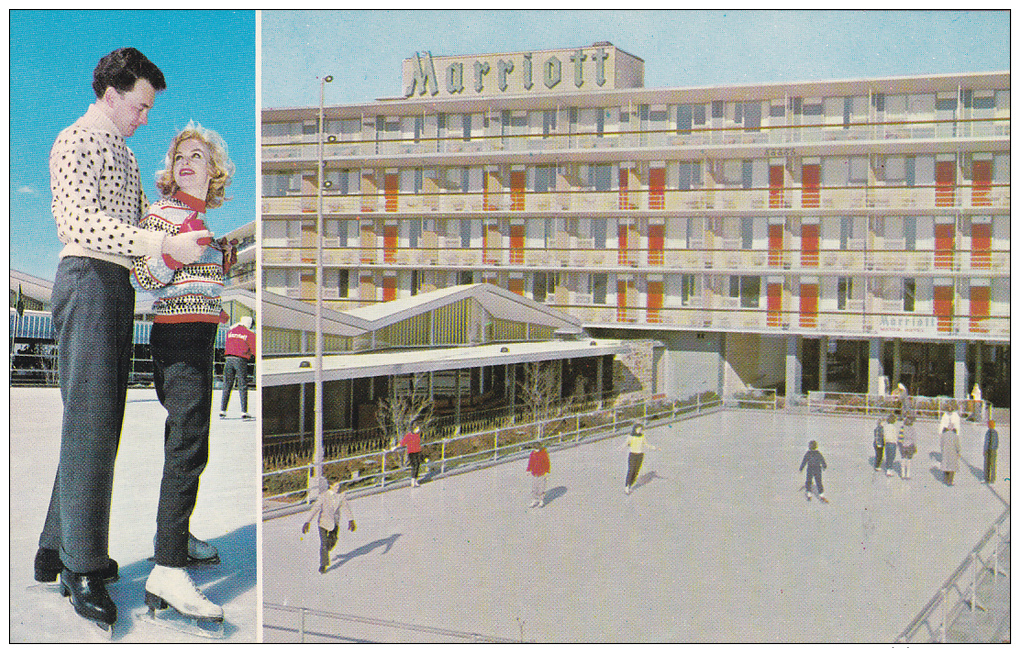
(599,67)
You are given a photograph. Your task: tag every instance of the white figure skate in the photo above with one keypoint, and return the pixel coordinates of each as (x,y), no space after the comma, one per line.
(189,610)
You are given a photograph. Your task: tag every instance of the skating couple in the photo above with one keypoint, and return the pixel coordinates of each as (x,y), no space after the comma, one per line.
(112,240)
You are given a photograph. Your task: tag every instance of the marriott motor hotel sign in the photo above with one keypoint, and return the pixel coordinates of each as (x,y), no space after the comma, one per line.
(599,67)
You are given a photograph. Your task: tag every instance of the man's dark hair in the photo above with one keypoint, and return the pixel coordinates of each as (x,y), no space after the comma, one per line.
(121,68)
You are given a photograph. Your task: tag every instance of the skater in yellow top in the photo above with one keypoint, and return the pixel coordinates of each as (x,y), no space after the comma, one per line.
(636,442)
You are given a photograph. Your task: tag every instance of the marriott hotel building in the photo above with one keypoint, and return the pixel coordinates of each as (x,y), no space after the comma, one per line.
(816,235)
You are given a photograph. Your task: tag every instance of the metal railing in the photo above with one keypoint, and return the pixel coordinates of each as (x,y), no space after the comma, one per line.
(378,469)
(981,582)
(416,631)
(922,407)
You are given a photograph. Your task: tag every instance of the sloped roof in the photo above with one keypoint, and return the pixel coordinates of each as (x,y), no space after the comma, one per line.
(294,315)
(497,302)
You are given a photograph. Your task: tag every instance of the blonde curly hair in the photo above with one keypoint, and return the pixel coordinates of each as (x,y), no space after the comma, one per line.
(221,169)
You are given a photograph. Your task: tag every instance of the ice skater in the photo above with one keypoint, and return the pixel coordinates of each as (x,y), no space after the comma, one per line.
(326,513)
(890,434)
(908,445)
(538,466)
(239,351)
(815,463)
(879,444)
(97,204)
(636,443)
(991,449)
(950,446)
(187,307)
(412,442)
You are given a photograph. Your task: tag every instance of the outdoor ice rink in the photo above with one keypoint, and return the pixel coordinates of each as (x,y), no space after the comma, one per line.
(225,515)
(717,544)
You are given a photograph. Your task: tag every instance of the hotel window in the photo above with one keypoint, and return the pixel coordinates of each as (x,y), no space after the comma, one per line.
(601,177)
(337,279)
(717,109)
(910,232)
(752,116)
(747,289)
(598,288)
(543,178)
(909,292)
(467,127)
(310,127)
(688,116)
(343,181)
(689,175)
(598,233)
(281,184)
(858,170)
(687,289)
(746,232)
(844,292)
(413,232)
(465,232)
(280,129)
(548,122)
(411,181)
(600,122)
(846,231)
(544,285)
(465,277)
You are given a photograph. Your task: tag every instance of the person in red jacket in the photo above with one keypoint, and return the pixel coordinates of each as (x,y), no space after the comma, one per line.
(538,466)
(412,441)
(239,351)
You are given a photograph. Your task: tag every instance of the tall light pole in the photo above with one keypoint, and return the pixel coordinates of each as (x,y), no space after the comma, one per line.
(318,292)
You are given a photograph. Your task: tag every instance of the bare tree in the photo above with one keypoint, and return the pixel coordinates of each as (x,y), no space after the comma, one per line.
(539,390)
(403,409)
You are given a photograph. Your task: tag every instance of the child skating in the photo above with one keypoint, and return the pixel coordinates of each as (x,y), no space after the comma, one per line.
(538,466)
(815,463)
(326,512)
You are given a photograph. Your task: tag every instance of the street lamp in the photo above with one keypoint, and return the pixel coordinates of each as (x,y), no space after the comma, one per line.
(318,294)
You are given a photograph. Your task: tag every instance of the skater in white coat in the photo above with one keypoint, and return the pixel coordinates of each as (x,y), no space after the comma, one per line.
(636,443)
(326,513)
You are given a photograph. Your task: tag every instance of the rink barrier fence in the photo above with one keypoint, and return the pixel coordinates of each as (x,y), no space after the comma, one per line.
(922,407)
(302,630)
(973,586)
(386,468)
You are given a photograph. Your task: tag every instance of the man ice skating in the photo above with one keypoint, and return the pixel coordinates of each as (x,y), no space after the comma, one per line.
(991,449)
(326,511)
(815,463)
(239,351)
(97,204)
(538,466)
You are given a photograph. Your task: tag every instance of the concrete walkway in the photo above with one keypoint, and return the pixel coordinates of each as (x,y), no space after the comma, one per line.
(717,544)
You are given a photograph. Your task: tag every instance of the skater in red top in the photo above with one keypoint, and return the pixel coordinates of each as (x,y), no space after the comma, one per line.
(412,441)
(538,465)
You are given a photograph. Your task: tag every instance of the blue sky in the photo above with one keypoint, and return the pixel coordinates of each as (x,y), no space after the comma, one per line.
(208,59)
(363,49)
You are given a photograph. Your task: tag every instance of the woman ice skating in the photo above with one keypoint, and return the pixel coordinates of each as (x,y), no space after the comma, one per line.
(908,445)
(950,442)
(187,311)
(326,512)
(412,441)
(538,466)
(815,463)
(636,442)
(890,434)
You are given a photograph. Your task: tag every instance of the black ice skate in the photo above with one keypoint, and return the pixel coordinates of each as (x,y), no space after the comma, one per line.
(87,594)
(174,602)
(200,553)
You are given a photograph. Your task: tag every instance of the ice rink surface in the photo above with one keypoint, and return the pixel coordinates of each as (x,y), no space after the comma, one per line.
(717,544)
(225,515)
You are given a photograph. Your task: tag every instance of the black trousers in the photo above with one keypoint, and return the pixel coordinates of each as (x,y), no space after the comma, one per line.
(93,322)
(414,458)
(182,356)
(327,540)
(634,460)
